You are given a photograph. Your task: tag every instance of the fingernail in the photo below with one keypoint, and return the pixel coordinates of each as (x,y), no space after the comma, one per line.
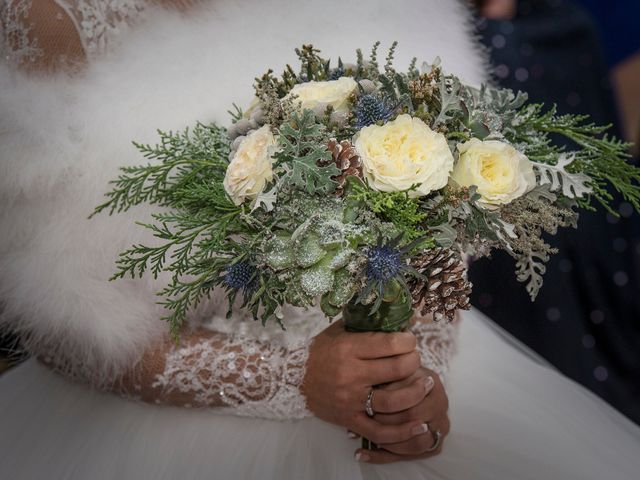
(350,434)
(420,429)
(362,457)
(428,385)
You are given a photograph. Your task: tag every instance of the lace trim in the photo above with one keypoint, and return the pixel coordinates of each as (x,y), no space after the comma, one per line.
(253,378)
(242,374)
(98,24)
(18,47)
(436,344)
(99,21)
(262,379)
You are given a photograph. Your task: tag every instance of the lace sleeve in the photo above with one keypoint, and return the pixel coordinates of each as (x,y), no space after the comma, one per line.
(239,375)
(54,35)
(436,343)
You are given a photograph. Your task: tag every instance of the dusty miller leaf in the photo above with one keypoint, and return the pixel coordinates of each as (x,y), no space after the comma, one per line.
(541,192)
(573,185)
(506,229)
(301,149)
(449,100)
(529,268)
(307,175)
(444,235)
(266,200)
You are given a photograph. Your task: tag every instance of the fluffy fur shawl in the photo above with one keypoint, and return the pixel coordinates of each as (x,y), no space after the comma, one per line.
(62,139)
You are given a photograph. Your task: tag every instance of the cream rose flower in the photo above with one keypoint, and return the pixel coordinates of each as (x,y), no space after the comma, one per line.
(403,153)
(251,167)
(317,96)
(500,172)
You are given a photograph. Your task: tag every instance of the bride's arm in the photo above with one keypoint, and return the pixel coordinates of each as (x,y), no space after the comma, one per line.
(46,36)
(265,379)
(208,369)
(211,369)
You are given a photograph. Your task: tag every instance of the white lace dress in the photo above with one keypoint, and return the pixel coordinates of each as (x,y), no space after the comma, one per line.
(513,417)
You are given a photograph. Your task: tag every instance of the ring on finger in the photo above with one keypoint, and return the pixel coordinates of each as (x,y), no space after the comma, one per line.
(437,438)
(368,405)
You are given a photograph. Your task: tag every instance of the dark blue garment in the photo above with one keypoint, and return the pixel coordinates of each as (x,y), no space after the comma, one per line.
(617,21)
(586,319)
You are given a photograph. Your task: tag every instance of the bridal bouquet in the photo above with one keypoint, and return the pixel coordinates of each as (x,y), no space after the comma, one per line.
(359,188)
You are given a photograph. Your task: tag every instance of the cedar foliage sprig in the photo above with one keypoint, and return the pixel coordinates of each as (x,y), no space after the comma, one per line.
(183,157)
(186,175)
(603,158)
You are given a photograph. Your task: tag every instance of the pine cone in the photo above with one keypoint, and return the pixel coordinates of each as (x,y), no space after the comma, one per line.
(346,158)
(445,288)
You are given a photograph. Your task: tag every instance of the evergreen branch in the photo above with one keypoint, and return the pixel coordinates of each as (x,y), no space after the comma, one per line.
(183,156)
(235,114)
(603,158)
(177,243)
(181,297)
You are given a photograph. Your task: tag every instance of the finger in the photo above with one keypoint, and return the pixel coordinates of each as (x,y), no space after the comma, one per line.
(427,410)
(392,401)
(422,444)
(422,372)
(434,405)
(391,369)
(378,433)
(380,344)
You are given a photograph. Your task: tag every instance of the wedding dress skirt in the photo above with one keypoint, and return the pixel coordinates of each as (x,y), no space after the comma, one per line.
(513,417)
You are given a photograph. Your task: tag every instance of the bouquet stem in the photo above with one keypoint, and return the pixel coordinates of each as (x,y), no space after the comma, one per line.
(394,316)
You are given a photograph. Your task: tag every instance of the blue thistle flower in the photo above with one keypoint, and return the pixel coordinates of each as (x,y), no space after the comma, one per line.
(372,108)
(240,276)
(384,263)
(336,73)
(387,264)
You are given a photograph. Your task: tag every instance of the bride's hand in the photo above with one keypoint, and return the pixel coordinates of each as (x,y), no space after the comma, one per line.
(431,409)
(341,370)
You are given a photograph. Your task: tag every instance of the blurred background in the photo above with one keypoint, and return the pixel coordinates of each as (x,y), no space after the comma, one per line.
(584,56)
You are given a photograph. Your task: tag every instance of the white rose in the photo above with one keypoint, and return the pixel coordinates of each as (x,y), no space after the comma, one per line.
(500,172)
(402,153)
(317,96)
(250,168)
